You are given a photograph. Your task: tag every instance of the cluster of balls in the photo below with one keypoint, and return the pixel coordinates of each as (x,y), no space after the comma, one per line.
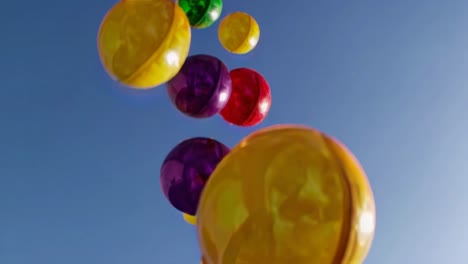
(284,194)
(145,43)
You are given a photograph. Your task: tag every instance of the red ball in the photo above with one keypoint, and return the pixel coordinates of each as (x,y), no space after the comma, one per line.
(250,98)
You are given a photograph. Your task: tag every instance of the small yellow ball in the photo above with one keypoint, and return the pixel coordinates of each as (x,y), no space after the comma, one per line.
(143,44)
(190,219)
(238,33)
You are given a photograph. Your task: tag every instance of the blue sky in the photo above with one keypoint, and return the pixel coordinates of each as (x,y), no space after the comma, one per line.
(80,155)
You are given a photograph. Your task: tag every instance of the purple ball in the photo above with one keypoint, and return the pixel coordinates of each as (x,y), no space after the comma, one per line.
(187,168)
(202,87)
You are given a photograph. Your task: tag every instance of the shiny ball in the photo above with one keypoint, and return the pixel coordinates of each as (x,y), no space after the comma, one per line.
(202,87)
(238,33)
(202,13)
(250,98)
(187,168)
(191,219)
(143,44)
(287,194)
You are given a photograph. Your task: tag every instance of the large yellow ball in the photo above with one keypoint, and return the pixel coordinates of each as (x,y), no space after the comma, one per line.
(144,43)
(238,33)
(287,194)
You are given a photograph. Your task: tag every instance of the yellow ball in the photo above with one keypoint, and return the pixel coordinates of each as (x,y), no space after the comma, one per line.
(287,194)
(144,44)
(238,33)
(190,219)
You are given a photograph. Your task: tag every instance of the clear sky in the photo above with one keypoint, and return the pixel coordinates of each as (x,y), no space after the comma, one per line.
(80,155)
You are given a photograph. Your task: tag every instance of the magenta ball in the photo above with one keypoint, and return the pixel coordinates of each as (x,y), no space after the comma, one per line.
(202,87)
(187,168)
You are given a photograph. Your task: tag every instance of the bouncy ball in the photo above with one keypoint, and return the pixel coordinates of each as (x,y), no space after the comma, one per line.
(250,98)
(202,13)
(143,44)
(187,168)
(191,219)
(238,33)
(287,194)
(201,88)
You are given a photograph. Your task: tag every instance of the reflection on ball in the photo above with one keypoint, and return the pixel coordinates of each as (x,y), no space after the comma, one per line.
(143,44)
(238,33)
(287,194)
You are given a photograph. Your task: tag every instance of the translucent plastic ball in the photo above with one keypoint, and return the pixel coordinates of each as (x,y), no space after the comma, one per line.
(202,87)
(187,168)
(238,33)
(287,194)
(250,98)
(202,13)
(143,44)
(191,219)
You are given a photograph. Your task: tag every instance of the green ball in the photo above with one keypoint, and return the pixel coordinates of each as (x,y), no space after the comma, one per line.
(202,13)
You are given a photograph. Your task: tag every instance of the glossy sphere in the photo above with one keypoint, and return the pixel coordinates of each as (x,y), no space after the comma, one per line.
(186,169)
(287,194)
(202,87)
(250,99)
(190,219)
(238,33)
(202,13)
(144,43)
